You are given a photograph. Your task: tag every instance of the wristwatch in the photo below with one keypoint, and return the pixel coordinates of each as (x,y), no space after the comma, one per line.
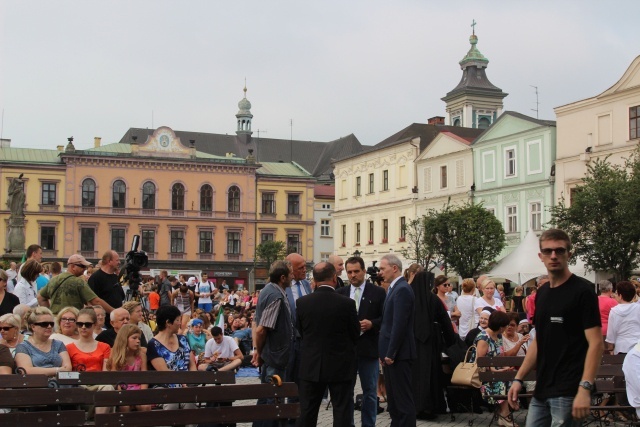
(586,385)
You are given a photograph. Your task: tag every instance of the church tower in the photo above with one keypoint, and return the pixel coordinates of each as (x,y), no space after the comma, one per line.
(244,115)
(475,102)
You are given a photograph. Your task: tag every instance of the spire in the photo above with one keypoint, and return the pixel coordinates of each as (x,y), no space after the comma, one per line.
(244,115)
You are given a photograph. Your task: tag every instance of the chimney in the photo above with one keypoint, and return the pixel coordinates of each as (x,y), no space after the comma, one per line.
(5,143)
(436,120)
(96,141)
(192,148)
(60,147)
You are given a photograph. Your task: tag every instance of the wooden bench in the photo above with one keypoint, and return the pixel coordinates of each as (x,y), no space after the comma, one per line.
(610,380)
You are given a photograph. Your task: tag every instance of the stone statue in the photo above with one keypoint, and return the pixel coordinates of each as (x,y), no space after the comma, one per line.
(16,198)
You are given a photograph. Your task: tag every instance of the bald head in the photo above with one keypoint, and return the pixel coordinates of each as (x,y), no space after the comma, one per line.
(119,317)
(298,266)
(338,263)
(324,273)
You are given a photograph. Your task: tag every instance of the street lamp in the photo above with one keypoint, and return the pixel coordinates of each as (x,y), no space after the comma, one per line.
(357,253)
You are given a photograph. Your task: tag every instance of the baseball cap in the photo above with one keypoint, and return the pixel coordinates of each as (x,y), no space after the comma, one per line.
(78,259)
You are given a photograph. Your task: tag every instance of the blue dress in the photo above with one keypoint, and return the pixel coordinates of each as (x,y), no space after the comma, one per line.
(495,349)
(176,360)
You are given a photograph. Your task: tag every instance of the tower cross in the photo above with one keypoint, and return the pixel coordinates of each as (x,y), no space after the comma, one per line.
(473,26)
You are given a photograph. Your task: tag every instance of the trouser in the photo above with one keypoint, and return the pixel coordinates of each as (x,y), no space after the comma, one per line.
(368,370)
(266,372)
(551,412)
(397,380)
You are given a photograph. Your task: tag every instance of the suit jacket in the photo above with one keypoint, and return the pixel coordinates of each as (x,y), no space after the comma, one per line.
(340,283)
(371,305)
(292,302)
(396,339)
(329,327)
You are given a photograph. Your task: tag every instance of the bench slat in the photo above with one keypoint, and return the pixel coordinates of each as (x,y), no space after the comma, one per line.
(45,396)
(25,381)
(490,376)
(146,377)
(45,418)
(500,361)
(226,414)
(195,394)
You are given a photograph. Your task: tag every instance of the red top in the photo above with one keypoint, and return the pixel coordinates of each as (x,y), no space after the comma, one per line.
(94,361)
(154,300)
(605,304)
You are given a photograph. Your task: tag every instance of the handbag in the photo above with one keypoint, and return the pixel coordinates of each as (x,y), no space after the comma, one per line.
(466,373)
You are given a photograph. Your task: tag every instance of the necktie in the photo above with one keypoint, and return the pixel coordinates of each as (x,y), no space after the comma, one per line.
(357,296)
(298,288)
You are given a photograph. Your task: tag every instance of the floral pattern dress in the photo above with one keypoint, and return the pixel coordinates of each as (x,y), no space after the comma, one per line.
(176,360)
(495,349)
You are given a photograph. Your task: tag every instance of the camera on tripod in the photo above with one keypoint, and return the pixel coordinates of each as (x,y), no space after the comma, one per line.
(373,271)
(134,261)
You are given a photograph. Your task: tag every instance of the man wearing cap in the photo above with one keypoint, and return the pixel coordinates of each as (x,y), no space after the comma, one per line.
(69,289)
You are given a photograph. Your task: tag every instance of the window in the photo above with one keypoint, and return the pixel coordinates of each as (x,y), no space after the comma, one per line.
(534,157)
(459,173)
(266,237)
(385,230)
(206,242)
(484,122)
(268,203)
(535,209)
(148,241)
(293,204)
(177,197)
(371,231)
(488,166)
(177,241)
(343,189)
(443,176)
(371,183)
(117,239)
(234,199)
(87,239)
(402,176)
(293,243)
(149,195)
(403,228)
(325,227)
(492,211)
(634,122)
(357,233)
(344,235)
(233,243)
(206,198)
(427,179)
(48,238)
(385,180)
(510,162)
(324,256)
(88,193)
(358,185)
(119,195)
(512,219)
(48,193)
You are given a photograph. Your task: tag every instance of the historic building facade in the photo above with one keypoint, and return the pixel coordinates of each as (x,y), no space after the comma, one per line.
(324,229)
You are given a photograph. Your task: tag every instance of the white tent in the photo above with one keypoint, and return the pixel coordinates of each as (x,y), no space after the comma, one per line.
(523,263)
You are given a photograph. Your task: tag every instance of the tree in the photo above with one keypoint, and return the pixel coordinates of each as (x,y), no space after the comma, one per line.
(416,249)
(466,237)
(270,251)
(602,219)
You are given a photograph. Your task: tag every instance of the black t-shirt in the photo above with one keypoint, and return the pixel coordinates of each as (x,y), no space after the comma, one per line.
(562,315)
(8,302)
(108,336)
(107,287)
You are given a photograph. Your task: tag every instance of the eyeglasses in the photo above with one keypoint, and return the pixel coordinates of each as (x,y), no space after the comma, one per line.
(87,325)
(6,328)
(84,267)
(549,251)
(45,324)
(68,319)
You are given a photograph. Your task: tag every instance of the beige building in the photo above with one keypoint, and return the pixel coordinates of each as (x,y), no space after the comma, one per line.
(607,124)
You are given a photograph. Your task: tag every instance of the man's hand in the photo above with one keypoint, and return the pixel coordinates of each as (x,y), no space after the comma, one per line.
(512,397)
(256,360)
(388,361)
(365,325)
(581,404)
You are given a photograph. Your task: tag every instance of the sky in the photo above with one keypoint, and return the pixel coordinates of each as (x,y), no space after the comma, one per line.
(331,68)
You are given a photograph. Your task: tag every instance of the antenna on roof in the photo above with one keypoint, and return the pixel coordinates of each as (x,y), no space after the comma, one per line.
(537,102)
(291,138)
(152,120)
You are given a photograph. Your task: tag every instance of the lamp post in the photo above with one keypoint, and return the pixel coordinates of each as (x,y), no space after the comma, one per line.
(357,253)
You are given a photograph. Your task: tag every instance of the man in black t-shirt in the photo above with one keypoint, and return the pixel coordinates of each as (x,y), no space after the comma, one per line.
(568,344)
(104,282)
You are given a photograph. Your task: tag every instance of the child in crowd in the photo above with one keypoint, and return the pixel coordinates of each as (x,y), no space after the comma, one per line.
(154,299)
(126,356)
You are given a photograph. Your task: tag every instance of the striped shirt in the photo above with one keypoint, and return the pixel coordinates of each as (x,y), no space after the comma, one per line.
(269,315)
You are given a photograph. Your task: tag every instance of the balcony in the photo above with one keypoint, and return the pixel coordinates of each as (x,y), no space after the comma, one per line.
(176,255)
(48,208)
(118,211)
(206,257)
(233,257)
(89,254)
(206,214)
(148,212)
(88,209)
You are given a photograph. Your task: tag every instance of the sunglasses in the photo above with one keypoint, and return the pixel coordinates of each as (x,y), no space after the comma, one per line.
(45,324)
(84,267)
(6,328)
(87,325)
(549,251)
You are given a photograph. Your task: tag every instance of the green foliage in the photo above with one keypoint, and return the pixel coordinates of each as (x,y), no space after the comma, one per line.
(466,237)
(416,247)
(270,251)
(603,220)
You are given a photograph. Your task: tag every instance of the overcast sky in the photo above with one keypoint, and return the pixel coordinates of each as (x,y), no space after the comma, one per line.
(96,68)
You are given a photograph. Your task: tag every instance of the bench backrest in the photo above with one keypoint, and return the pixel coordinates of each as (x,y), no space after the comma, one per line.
(145,377)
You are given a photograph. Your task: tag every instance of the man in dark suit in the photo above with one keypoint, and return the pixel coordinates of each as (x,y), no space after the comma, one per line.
(369,299)
(338,263)
(329,327)
(396,343)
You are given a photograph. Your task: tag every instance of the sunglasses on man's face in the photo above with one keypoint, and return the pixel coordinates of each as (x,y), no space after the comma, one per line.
(45,324)
(549,251)
(87,325)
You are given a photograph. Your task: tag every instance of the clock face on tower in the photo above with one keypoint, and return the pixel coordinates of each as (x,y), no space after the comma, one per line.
(164,141)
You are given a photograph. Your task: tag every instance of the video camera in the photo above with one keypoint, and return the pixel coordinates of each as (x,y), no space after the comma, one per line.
(134,261)
(373,271)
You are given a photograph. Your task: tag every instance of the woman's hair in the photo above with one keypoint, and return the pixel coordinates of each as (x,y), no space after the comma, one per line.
(3,275)
(167,313)
(88,312)
(30,270)
(468,285)
(412,269)
(513,316)
(439,280)
(518,289)
(11,319)
(626,290)
(32,315)
(497,320)
(71,310)
(118,357)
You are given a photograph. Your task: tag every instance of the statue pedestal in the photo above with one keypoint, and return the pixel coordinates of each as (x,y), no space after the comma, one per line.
(16,236)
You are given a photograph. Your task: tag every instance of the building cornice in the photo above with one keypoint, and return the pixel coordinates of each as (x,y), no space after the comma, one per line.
(180,165)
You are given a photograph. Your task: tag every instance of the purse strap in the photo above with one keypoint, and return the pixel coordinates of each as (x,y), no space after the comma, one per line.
(466,355)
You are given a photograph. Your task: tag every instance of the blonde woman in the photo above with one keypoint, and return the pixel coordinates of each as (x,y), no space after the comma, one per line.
(488,299)
(10,330)
(67,328)
(466,305)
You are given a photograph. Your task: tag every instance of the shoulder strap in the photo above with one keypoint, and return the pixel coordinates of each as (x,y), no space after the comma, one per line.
(58,287)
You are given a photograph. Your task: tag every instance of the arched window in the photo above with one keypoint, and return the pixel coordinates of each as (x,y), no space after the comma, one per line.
(149,195)
(119,195)
(234,199)
(484,123)
(206,198)
(456,122)
(88,193)
(177,197)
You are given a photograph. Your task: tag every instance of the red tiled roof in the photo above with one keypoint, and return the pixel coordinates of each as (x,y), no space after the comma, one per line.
(325,191)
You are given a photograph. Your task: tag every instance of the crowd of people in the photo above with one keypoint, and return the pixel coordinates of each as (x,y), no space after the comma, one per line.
(389,331)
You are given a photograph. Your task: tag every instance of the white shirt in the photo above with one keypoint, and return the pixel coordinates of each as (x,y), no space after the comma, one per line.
(624,327)
(394,282)
(225,349)
(352,293)
(294,289)
(631,369)
(26,292)
(204,288)
(469,317)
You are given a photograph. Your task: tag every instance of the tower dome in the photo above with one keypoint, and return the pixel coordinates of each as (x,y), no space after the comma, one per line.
(244,115)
